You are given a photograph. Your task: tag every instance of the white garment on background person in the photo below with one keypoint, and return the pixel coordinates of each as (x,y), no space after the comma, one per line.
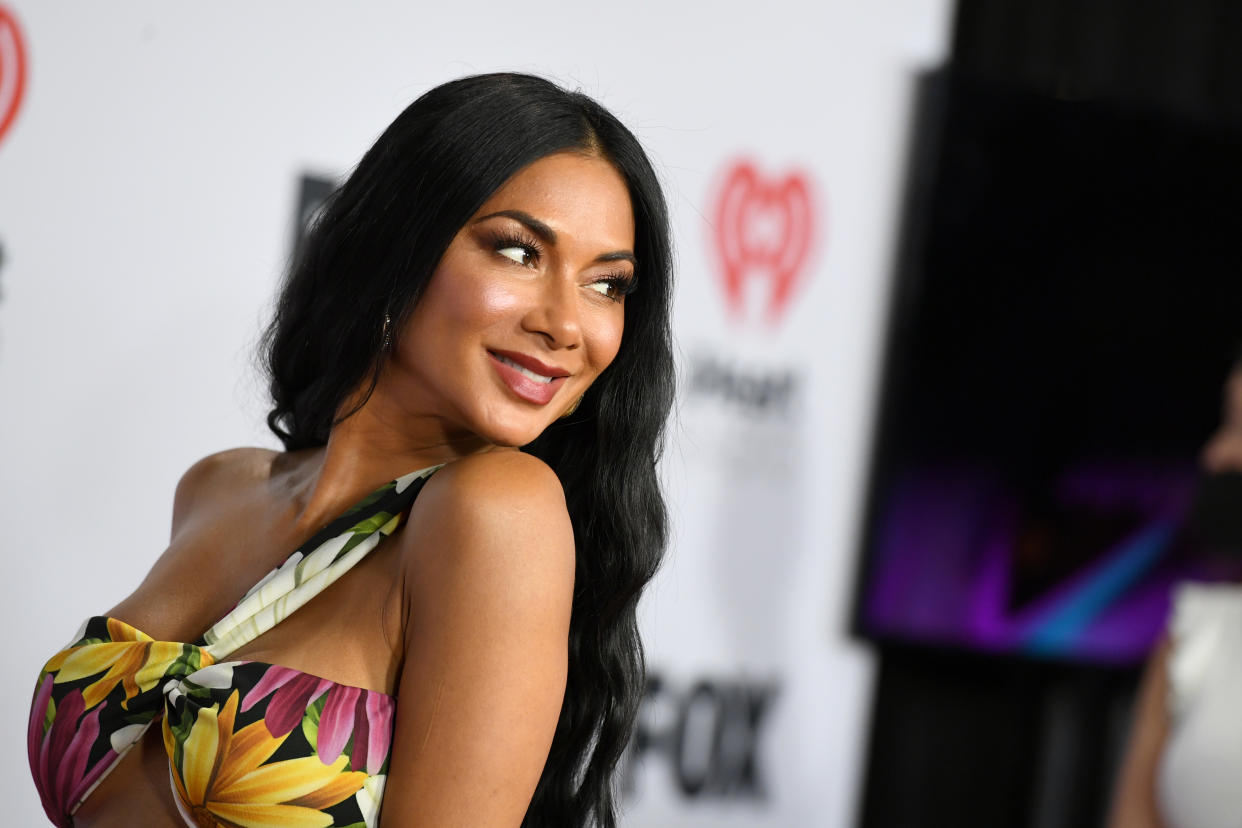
(1199,780)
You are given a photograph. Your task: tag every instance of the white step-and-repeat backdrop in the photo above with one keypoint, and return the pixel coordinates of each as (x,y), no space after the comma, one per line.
(152,158)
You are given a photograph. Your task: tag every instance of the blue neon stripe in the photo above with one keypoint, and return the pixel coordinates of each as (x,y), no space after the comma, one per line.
(1066,621)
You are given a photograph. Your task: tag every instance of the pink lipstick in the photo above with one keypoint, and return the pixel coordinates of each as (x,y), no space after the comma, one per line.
(527,377)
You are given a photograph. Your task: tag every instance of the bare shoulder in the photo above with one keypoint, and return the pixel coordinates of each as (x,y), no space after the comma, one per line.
(170,601)
(503,512)
(500,479)
(488,553)
(215,475)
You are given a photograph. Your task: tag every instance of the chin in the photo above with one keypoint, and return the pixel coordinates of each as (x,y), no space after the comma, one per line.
(513,435)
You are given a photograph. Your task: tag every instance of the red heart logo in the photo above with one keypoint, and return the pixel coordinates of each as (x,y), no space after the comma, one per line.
(764,229)
(12,70)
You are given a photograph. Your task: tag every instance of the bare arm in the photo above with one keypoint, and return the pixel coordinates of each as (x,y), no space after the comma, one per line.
(489,569)
(1134,797)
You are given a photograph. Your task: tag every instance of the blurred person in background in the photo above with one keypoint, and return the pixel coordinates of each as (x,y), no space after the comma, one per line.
(1183,765)
(494,274)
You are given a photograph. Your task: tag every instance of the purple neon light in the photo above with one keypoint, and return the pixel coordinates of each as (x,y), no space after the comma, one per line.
(945,550)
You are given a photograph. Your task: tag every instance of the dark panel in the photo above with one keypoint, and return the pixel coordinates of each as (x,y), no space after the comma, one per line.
(962,740)
(1179,57)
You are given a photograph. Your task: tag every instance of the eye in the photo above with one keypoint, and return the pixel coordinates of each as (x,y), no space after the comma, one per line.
(614,287)
(519,253)
(517,248)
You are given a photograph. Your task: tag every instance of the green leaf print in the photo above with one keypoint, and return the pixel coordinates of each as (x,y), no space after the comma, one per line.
(371,524)
(180,732)
(364,529)
(196,691)
(49,715)
(141,717)
(310,722)
(190,661)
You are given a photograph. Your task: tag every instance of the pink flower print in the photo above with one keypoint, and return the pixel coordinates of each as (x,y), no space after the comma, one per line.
(292,692)
(336,723)
(364,714)
(348,711)
(377,713)
(67,745)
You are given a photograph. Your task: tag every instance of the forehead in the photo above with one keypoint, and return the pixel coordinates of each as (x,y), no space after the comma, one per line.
(573,192)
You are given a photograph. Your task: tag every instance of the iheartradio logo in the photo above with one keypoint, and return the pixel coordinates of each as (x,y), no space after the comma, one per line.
(12,69)
(764,230)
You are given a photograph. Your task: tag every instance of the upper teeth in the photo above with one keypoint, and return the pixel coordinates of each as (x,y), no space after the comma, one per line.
(526,372)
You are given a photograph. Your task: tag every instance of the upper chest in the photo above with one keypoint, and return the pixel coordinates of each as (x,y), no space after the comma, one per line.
(348,630)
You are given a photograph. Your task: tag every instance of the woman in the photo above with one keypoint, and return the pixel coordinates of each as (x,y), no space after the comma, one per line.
(495,273)
(1184,758)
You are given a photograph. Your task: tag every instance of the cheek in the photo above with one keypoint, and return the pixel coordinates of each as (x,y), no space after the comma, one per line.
(495,300)
(466,302)
(605,340)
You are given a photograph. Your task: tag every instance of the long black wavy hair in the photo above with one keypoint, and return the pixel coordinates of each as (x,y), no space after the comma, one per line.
(370,255)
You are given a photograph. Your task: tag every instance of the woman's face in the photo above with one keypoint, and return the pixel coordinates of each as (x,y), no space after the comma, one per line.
(526,307)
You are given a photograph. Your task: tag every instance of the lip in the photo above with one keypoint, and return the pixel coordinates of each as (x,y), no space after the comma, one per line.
(532,391)
(532,364)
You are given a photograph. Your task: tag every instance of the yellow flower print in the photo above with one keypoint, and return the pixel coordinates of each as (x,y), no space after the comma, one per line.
(222,780)
(132,658)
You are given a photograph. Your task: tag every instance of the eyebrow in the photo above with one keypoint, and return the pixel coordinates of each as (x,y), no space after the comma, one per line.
(548,235)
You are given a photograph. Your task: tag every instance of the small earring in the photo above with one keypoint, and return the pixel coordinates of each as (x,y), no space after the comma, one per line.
(573,407)
(387,333)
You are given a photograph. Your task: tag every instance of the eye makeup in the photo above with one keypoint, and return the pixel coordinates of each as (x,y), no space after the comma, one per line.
(508,238)
(618,284)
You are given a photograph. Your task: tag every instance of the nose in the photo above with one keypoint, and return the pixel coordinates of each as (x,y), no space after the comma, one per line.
(555,313)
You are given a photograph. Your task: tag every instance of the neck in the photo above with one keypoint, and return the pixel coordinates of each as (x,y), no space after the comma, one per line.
(377,443)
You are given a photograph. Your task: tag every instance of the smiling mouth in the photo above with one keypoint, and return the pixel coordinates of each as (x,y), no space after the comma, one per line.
(524,376)
(526,372)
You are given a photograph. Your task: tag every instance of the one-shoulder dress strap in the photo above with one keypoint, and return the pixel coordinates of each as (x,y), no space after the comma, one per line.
(328,555)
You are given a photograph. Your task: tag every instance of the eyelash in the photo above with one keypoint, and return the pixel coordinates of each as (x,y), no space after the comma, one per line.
(619,284)
(530,244)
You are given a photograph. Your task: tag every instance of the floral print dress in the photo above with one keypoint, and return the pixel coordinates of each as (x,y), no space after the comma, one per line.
(249,744)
